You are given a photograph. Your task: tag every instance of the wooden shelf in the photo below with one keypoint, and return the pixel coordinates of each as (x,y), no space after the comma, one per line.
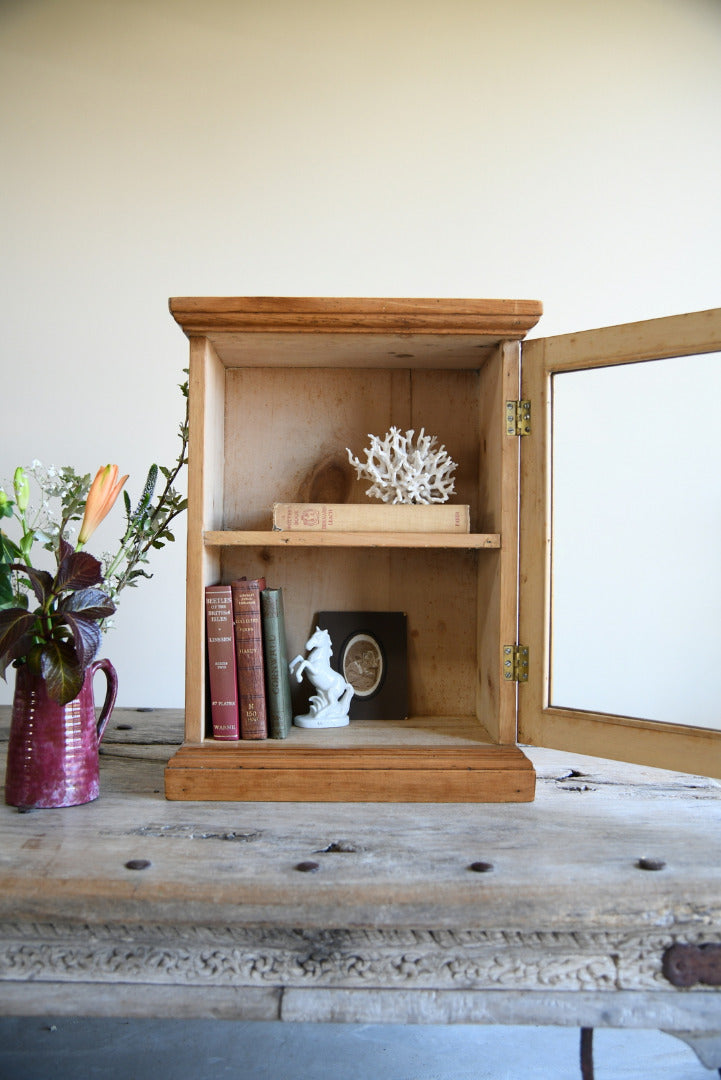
(405,762)
(280,773)
(278,538)
(430,732)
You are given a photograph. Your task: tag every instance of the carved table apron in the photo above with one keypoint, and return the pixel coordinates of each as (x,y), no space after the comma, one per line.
(599,904)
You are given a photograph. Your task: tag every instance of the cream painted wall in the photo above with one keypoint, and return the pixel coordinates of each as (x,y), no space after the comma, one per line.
(565,150)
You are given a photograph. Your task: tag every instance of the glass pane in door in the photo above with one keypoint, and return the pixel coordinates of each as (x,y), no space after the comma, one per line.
(636,554)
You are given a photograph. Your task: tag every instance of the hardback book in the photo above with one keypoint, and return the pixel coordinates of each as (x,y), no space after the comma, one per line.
(277,676)
(249,657)
(372,517)
(222,675)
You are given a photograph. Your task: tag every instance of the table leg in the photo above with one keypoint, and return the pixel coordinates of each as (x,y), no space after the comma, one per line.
(706,1046)
(586,1053)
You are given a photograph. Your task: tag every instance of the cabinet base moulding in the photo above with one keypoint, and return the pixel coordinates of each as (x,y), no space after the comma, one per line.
(240,773)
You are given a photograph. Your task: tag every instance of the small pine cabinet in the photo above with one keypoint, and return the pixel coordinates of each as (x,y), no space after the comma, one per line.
(279,387)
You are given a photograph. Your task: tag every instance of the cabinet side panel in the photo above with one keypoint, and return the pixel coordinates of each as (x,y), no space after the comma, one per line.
(205,511)
(498,573)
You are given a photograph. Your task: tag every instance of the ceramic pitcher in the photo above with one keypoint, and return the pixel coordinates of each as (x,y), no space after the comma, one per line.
(53,749)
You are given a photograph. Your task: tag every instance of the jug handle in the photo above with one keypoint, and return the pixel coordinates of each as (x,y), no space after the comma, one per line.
(110,695)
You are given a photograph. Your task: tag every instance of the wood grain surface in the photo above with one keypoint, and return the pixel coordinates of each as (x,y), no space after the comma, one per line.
(534,913)
(566,861)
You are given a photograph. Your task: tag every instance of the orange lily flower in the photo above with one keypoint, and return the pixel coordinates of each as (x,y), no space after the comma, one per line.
(104,490)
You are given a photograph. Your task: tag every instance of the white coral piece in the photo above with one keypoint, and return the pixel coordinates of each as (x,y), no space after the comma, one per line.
(403,473)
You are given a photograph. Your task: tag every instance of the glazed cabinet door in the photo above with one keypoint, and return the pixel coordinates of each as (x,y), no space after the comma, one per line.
(620,543)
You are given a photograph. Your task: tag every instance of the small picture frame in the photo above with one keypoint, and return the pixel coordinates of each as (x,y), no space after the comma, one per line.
(370,650)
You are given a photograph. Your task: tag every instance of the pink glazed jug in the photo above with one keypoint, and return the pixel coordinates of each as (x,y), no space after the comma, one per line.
(53,749)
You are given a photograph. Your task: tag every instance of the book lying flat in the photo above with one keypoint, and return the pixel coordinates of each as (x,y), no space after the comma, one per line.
(372,517)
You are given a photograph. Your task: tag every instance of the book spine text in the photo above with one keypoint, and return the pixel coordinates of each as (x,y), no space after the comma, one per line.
(249,657)
(222,676)
(371,517)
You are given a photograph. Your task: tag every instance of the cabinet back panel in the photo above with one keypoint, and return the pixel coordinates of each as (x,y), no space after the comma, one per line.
(436,589)
(287,430)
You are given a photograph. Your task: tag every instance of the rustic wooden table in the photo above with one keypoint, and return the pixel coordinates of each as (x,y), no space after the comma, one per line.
(537,913)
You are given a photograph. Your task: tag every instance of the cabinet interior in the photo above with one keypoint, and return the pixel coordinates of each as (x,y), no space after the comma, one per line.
(293,450)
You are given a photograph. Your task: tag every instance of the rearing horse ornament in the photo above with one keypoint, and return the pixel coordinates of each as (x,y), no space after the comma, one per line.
(329,707)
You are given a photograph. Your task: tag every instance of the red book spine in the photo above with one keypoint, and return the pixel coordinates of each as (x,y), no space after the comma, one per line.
(249,657)
(220,634)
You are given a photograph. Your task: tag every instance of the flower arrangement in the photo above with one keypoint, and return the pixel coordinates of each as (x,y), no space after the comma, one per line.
(53,619)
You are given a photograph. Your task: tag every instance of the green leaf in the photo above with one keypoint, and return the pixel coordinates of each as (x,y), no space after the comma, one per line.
(26,542)
(9,551)
(7,595)
(62,671)
(139,573)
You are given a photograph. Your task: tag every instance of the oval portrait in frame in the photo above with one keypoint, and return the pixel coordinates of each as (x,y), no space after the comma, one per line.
(363,664)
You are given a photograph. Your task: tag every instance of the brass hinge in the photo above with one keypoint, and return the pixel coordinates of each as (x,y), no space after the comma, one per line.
(515,663)
(518,418)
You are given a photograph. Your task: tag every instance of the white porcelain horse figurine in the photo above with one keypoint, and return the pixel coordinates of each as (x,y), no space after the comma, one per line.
(329,707)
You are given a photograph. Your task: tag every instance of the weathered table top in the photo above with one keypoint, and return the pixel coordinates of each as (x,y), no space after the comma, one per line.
(537,913)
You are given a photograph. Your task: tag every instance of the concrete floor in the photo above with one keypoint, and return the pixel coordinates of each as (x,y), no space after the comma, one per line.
(78,1049)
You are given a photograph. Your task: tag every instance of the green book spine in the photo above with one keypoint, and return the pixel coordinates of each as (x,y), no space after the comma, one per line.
(277,676)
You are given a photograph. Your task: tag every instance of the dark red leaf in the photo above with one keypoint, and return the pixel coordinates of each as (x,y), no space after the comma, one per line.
(79,570)
(90,603)
(15,625)
(41,580)
(87,637)
(62,671)
(65,549)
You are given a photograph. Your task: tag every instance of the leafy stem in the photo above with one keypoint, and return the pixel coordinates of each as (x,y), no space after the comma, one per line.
(148,525)
(59,635)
